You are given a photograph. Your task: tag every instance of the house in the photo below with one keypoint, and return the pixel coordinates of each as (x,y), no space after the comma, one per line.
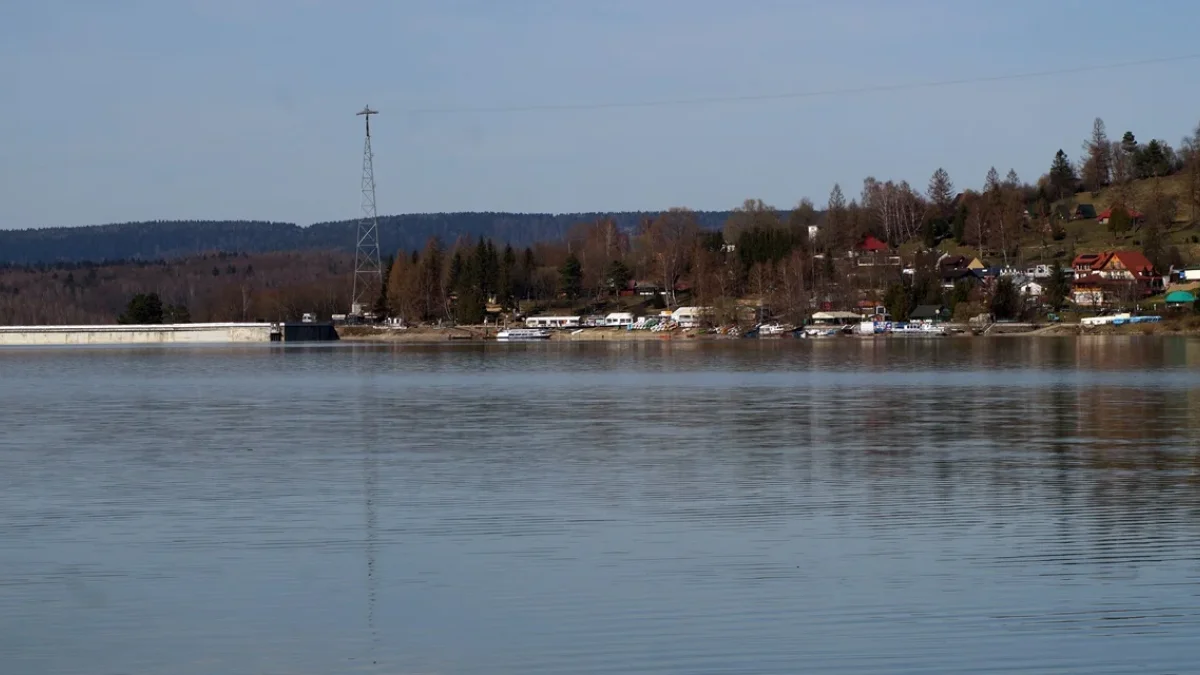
(1112,276)
(1031,290)
(1083,212)
(948,261)
(1135,217)
(813,232)
(1130,266)
(870,244)
(646,288)
(929,314)
(951,277)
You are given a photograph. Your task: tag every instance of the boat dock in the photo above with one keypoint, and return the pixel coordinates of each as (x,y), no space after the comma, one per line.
(183,333)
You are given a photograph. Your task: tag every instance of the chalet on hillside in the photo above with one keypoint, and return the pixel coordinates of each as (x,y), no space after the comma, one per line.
(1083,212)
(955,268)
(1135,216)
(873,251)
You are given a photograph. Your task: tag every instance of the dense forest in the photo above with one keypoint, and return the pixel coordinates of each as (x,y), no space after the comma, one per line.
(155,240)
(456,267)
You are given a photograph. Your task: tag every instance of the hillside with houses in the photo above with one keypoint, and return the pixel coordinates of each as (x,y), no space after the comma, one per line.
(1119,229)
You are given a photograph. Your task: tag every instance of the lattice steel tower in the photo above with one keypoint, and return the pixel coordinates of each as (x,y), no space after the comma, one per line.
(368,272)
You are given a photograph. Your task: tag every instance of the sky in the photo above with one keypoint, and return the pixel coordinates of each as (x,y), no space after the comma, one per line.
(124,110)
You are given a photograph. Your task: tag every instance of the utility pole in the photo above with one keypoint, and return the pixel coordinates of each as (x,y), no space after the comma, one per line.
(368,272)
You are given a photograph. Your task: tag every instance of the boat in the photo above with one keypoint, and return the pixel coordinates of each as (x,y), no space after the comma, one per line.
(523,334)
(773,329)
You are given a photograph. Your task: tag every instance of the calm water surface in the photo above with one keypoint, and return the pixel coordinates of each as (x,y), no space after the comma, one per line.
(849,506)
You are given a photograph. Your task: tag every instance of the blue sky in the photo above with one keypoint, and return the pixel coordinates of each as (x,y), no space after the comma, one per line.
(184,109)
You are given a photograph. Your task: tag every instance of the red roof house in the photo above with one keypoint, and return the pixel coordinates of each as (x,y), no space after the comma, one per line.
(1103,216)
(872,245)
(1096,272)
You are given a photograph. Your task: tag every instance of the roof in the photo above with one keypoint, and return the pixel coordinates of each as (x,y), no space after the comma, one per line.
(948,260)
(870,243)
(956,273)
(1106,213)
(926,312)
(1180,296)
(1135,261)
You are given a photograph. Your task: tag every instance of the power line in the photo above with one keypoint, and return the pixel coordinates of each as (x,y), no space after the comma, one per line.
(799,95)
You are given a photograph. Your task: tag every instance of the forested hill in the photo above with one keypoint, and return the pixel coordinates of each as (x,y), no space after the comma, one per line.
(169,239)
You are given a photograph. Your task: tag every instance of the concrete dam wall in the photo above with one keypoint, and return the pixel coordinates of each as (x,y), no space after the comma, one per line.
(134,334)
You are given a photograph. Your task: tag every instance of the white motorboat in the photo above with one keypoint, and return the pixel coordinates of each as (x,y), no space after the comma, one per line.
(509,334)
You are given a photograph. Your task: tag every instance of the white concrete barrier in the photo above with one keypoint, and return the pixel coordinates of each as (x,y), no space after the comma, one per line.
(136,334)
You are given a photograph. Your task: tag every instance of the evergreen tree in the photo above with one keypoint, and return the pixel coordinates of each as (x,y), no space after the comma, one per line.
(571,277)
(143,308)
(1006,301)
(1098,167)
(454,275)
(941,192)
(1057,288)
(897,302)
(506,277)
(528,270)
(1062,176)
(958,228)
(617,275)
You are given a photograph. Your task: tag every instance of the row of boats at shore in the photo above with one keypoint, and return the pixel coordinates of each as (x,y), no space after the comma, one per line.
(774,330)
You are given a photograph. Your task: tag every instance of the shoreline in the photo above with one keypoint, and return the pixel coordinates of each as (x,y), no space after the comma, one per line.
(431,335)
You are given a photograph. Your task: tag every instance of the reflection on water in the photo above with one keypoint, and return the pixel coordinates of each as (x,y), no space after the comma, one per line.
(846,506)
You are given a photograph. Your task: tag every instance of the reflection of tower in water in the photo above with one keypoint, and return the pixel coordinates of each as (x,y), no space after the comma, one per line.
(370,487)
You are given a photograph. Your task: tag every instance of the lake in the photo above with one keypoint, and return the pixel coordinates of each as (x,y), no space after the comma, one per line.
(977,505)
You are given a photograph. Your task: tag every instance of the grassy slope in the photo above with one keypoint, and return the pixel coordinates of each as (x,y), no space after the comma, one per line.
(1088,236)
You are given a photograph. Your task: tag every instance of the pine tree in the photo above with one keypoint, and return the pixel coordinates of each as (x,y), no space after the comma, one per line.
(571,277)
(506,277)
(941,192)
(1098,167)
(1062,176)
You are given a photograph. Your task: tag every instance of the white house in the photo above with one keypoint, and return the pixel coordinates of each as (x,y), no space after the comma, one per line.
(690,317)
(552,322)
(813,231)
(1031,289)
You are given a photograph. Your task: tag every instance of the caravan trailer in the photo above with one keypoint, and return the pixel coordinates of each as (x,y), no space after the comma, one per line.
(552,322)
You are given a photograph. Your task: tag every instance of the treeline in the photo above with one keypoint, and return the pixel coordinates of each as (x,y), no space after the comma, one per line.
(217,287)
(598,261)
(176,239)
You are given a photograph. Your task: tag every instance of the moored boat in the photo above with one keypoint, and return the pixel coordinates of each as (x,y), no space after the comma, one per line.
(509,334)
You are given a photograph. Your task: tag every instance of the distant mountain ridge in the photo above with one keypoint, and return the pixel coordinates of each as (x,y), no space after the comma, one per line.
(152,240)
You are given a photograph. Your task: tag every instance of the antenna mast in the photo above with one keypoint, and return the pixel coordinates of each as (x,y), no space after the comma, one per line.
(368,272)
